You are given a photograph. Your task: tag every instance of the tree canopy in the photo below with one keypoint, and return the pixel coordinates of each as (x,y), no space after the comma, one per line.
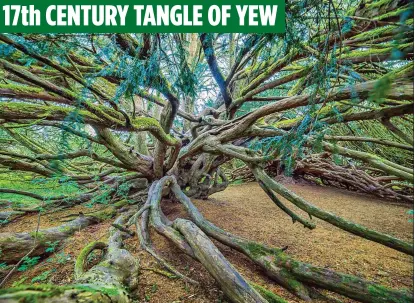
(331,100)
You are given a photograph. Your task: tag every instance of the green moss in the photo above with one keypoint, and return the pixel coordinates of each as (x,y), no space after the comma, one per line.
(9,239)
(297,87)
(347,279)
(18,88)
(105,214)
(395,13)
(64,229)
(268,295)
(40,236)
(377,4)
(294,284)
(256,249)
(378,31)
(384,292)
(41,292)
(110,291)
(81,259)
(289,278)
(267,264)
(43,111)
(152,125)
(140,122)
(403,71)
(375,52)
(31,293)
(287,122)
(120,203)
(70,93)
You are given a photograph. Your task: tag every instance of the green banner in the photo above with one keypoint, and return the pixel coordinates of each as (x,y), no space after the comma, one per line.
(106,16)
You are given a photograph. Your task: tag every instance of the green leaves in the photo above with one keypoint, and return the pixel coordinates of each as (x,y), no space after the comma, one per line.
(59,258)
(28,262)
(43,276)
(382,87)
(51,246)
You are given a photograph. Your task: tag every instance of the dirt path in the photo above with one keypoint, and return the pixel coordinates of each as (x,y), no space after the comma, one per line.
(246,211)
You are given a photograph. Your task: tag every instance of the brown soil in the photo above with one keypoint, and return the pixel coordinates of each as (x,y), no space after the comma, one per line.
(246,211)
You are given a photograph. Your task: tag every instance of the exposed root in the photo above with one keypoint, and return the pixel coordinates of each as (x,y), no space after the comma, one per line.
(296,276)
(161,272)
(15,245)
(107,281)
(82,258)
(293,215)
(235,287)
(145,242)
(8,216)
(337,221)
(268,295)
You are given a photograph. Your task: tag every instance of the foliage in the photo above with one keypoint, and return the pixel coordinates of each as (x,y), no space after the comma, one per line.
(51,246)
(28,262)
(43,276)
(60,258)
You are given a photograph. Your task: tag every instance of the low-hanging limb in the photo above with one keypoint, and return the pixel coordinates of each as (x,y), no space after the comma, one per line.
(348,226)
(372,140)
(377,162)
(284,269)
(15,245)
(198,245)
(395,130)
(293,215)
(235,287)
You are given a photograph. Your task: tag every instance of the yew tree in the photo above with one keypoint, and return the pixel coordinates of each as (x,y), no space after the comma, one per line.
(137,120)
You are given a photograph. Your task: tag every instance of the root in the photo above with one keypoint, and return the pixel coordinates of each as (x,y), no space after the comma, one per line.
(296,276)
(235,287)
(191,240)
(109,280)
(268,295)
(15,245)
(8,216)
(145,242)
(247,247)
(293,215)
(161,272)
(105,282)
(339,222)
(82,258)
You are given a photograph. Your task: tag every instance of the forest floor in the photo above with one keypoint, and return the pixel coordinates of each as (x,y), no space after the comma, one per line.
(245,210)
